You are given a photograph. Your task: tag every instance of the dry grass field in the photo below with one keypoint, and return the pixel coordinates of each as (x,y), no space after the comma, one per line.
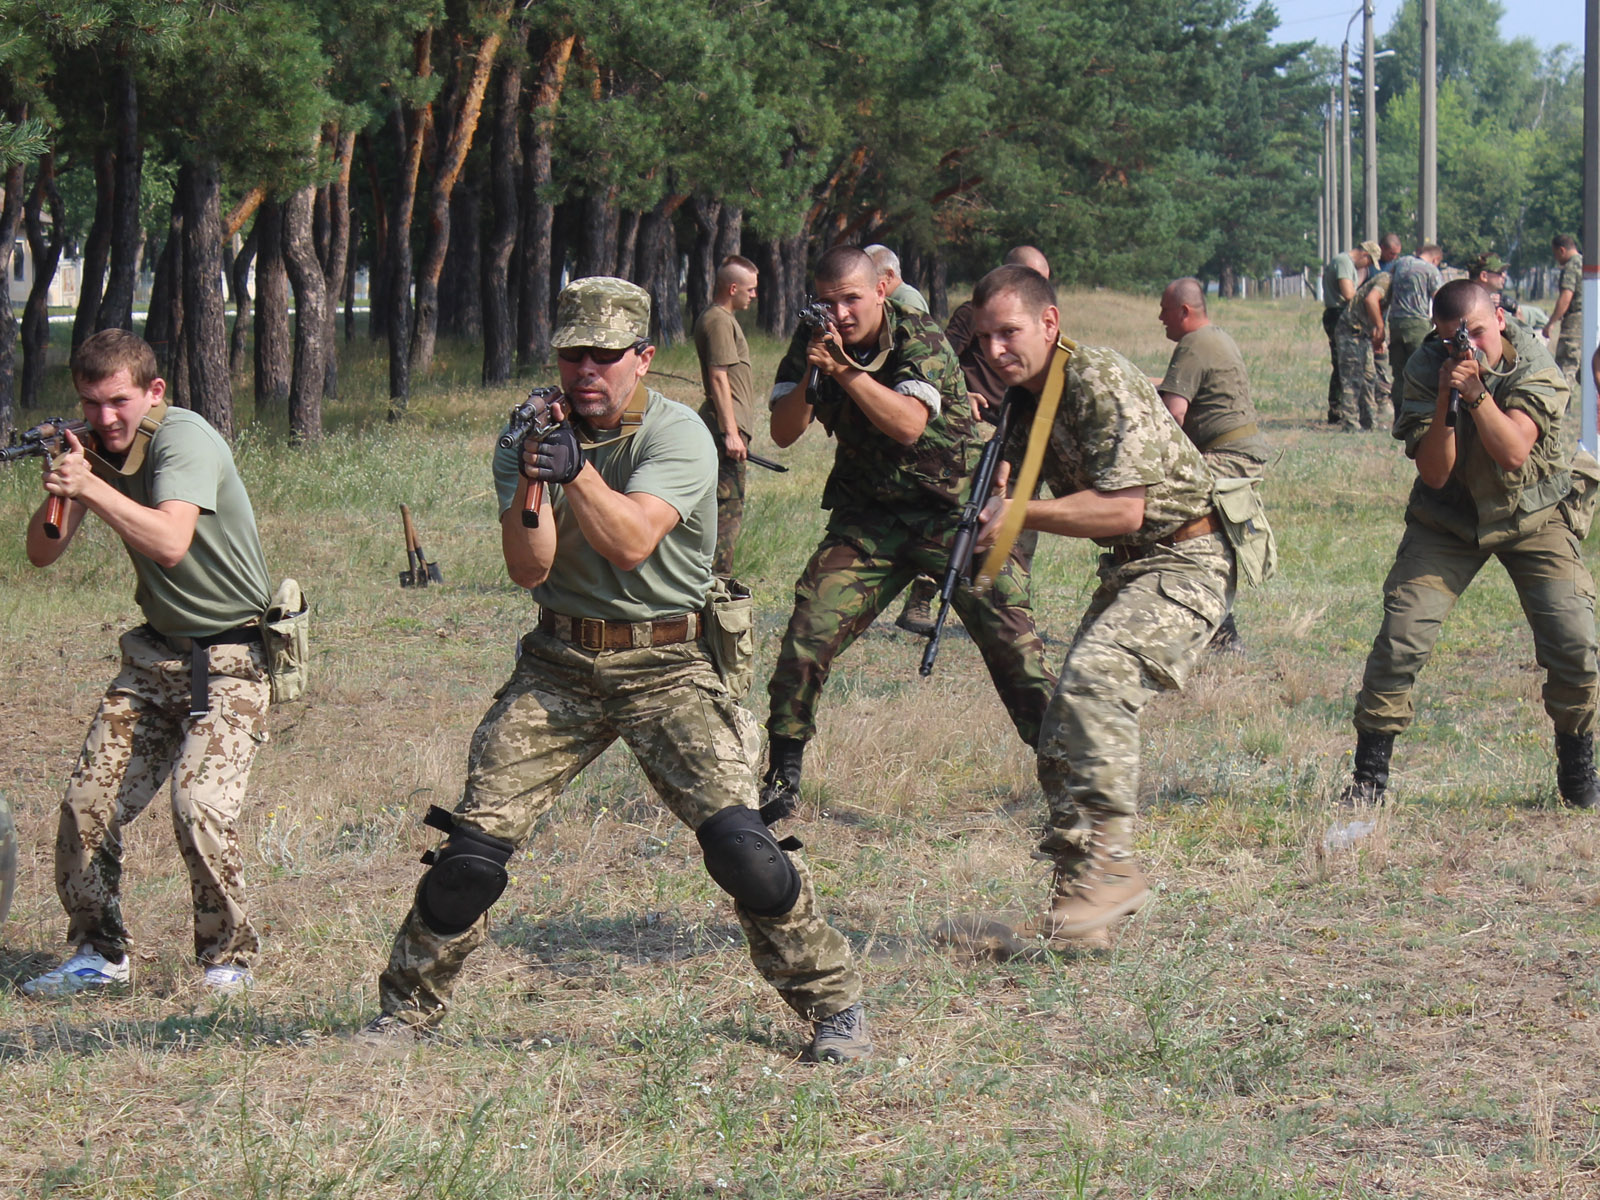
(1415,1016)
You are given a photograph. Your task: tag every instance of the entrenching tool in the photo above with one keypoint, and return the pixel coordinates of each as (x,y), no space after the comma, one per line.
(419,571)
(8,859)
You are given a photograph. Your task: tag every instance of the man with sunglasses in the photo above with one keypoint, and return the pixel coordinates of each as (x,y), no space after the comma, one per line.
(886,384)
(620,564)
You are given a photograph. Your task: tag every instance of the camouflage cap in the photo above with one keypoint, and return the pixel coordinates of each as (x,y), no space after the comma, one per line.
(603,312)
(1373,252)
(1489,261)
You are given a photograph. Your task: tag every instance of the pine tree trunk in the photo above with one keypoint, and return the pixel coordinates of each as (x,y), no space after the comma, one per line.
(163,324)
(116,306)
(378,277)
(502,240)
(658,271)
(46,250)
(464,266)
(629,262)
(597,251)
(274,357)
(336,257)
(414,125)
(205,327)
(939,287)
(730,232)
(701,281)
(239,274)
(10,217)
(96,247)
(311,327)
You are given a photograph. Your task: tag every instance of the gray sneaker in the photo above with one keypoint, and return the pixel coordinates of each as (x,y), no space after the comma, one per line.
(840,1038)
(390,1029)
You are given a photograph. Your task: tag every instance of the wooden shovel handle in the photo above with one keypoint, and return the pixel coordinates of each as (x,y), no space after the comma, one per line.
(411,530)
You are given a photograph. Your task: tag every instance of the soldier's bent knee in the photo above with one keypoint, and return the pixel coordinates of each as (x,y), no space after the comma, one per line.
(746,861)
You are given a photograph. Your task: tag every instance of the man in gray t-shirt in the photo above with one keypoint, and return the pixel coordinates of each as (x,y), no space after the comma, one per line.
(1416,279)
(190,701)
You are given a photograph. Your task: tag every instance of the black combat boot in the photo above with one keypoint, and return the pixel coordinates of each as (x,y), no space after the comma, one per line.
(1371,776)
(780,787)
(1575,778)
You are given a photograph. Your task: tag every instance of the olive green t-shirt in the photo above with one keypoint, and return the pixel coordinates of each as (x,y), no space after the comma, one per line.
(1341,266)
(1208,371)
(720,342)
(222,581)
(671,456)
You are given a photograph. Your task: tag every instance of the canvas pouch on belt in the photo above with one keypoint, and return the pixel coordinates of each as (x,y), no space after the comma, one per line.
(730,619)
(1244,524)
(285,632)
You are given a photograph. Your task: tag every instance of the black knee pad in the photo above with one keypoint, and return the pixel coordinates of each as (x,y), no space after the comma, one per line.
(746,861)
(466,875)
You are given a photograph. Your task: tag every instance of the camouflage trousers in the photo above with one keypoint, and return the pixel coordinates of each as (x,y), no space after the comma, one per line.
(1431,570)
(564,705)
(1146,626)
(857,571)
(1364,384)
(141,737)
(1568,353)
(731,478)
(1330,326)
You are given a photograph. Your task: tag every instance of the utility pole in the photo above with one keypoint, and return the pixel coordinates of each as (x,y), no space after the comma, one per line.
(1591,217)
(1346,216)
(1428,163)
(1369,123)
(1331,189)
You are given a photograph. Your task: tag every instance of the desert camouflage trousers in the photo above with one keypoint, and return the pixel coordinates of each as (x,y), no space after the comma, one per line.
(141,737)
(1364,383)
(1146,626)
(1431,570)
(564,705)
(857,571)
(731,479)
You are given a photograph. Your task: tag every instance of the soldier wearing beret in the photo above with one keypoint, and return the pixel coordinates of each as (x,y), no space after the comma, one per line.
(620,565)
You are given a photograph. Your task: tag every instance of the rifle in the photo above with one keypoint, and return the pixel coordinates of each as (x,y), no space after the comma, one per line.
(48,440)
(531,418)
(769,463)
(816,320)
(1460,349)
(959,569)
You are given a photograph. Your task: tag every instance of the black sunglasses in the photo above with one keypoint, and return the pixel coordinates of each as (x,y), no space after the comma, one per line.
(604,358)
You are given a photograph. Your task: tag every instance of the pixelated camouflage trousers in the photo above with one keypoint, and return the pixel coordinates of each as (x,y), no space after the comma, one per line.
(731,480)
(142,737)
(561,708)
(1431,570)
(1364,383)
(1146,626)
(1568,352)
(857,571)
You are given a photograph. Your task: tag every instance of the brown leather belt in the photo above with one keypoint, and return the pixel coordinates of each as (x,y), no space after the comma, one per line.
(1198,527)
(592,633)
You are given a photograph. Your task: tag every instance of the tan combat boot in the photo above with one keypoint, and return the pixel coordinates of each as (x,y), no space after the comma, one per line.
(1090,894)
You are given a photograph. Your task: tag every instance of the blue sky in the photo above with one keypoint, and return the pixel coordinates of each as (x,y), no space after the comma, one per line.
(1547,22)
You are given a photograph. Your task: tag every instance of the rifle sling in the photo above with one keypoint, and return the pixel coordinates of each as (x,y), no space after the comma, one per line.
(1044,417)
(632,418)
(134,458)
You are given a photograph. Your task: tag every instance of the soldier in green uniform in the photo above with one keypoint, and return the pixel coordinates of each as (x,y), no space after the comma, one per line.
(1359,337)
(620,565)
(1494,479)
(891,393)
(1567,316)
(1340,278)
(1121,472)
(729,408)
(1416,279)
(1207,391)
(189,704)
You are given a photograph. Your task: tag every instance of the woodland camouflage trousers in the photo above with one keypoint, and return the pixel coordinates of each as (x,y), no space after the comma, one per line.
(561,708)
(731,477)
(857,571)
(141,737)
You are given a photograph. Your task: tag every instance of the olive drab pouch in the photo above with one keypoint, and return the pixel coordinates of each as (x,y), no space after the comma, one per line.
(285,630)
(1578,506)
(1244,524)
(730,619)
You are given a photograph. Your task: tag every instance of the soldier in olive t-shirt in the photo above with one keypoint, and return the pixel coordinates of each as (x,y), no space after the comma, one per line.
(729,406)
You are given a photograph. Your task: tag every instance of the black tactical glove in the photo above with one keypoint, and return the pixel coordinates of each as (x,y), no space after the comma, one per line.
(557,458)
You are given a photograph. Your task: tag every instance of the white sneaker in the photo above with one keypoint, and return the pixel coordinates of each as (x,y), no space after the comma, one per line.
(227,979)
(85,969)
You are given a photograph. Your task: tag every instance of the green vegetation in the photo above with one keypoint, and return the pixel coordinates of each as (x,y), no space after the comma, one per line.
(1412,1017)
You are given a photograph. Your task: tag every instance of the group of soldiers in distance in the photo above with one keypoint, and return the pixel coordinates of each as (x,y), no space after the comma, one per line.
(620,513)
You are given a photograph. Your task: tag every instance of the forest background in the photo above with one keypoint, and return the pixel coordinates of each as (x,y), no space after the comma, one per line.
(469,154)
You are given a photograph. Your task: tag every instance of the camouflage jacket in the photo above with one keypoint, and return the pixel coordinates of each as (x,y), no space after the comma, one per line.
(1112,431)
(1482,502)
(871,469)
